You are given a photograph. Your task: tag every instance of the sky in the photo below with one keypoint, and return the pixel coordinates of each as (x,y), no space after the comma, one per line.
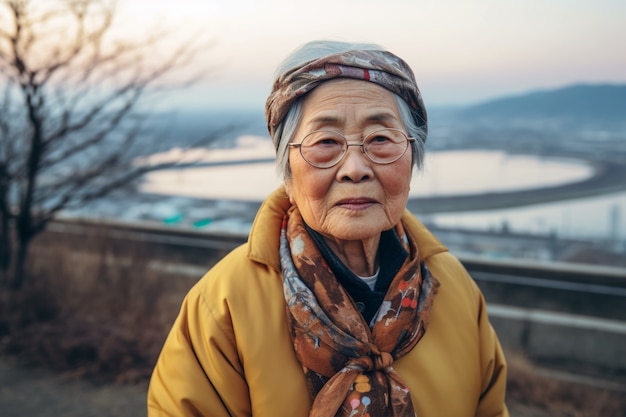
(462,52)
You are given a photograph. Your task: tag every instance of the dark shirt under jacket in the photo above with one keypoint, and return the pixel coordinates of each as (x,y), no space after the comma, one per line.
(391,256)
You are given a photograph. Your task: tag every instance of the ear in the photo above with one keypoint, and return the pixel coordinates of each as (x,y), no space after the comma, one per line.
(289,189)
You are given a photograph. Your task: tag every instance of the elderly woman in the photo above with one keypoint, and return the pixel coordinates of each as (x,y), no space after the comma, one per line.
(341,303)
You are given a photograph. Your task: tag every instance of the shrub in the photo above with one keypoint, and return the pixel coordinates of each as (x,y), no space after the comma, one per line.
(544,391)
(101,315)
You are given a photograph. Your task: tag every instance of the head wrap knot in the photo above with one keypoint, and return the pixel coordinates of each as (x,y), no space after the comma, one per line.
(380,67)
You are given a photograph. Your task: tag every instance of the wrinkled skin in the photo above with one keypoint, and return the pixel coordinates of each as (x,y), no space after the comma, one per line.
(351,203)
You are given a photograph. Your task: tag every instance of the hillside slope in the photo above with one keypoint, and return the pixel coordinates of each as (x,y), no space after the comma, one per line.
(601,103)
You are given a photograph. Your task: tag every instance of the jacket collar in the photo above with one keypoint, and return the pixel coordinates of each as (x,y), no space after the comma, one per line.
(264,238)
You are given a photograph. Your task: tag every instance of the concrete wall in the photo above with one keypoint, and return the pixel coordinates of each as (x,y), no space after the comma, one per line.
(561,337)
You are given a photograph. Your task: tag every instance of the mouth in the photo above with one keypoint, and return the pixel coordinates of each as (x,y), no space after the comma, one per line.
(357,203)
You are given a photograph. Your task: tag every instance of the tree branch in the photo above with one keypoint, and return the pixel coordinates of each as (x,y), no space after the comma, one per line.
(71,115)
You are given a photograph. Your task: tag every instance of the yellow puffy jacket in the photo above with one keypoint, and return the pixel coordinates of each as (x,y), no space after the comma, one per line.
(229,352)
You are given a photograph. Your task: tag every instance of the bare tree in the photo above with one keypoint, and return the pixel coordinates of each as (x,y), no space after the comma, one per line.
(71,112)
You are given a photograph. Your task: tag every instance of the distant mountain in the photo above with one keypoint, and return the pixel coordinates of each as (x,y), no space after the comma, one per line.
(584,103)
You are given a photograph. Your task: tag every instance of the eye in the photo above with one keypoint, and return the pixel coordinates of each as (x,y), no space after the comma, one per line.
(385,137)
(324,140)
(327,141)
(379,139)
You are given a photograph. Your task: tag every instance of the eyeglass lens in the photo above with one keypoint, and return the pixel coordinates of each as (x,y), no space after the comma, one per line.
(324,149)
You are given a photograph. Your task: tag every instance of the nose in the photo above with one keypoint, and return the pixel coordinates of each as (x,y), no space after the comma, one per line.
(355,165)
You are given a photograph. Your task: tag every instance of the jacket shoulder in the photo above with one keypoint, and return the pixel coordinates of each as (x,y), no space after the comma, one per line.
(454,277)
(235,274)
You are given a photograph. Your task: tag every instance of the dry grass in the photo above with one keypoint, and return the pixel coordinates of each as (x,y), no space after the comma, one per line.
(103,315)
(532,388)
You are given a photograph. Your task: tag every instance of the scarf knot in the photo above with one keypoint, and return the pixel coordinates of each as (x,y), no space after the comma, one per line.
(377,362)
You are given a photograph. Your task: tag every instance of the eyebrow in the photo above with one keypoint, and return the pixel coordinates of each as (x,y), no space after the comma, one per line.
(379,116)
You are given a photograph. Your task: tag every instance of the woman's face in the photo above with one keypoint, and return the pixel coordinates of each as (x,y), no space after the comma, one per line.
(356,199)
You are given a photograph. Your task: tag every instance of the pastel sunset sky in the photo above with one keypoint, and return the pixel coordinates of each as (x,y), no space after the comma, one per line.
(461,51)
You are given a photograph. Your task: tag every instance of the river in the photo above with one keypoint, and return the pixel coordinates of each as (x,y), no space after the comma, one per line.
(445,173)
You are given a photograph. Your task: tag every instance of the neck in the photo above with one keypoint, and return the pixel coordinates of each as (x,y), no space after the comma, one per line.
(358,255)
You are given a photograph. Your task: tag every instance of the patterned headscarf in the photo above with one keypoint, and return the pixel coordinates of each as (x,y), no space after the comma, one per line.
(380,67)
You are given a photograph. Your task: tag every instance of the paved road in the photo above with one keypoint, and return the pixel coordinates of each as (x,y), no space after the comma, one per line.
(36,393)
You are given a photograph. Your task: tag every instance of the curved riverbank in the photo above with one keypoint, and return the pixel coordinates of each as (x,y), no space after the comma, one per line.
(450,173)
(608,177)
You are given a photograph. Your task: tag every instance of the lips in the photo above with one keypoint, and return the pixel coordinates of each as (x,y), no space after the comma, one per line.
(357,202)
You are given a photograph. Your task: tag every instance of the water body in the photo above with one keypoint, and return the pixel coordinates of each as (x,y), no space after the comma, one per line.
(600,217)
(475,171)
(444,173)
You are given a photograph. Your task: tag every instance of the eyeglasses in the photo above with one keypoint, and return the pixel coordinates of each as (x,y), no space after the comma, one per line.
(326,148)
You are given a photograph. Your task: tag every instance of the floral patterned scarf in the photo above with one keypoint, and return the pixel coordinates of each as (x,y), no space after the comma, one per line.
(348,366)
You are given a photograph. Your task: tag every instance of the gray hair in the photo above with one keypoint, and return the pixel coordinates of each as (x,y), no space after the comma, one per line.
(286,129)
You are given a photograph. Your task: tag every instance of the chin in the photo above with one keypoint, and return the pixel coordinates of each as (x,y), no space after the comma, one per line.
(351,230)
